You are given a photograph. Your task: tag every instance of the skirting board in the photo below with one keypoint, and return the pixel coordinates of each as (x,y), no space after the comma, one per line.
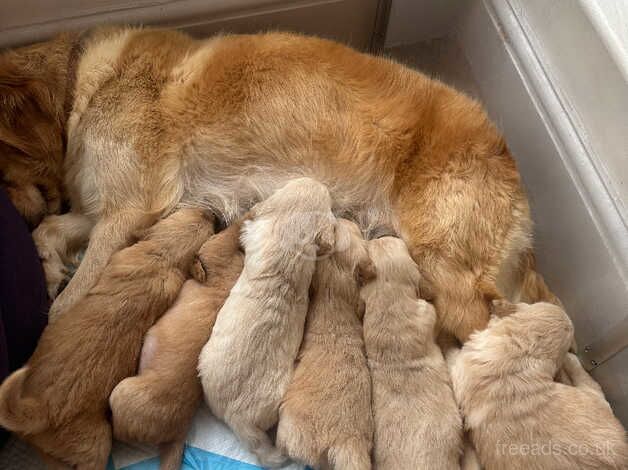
(355,22)
(580,237)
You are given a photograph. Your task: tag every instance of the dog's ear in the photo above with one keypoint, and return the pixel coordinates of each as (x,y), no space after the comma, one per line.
(366,270)
(361,308)
(138,235)
(502,308)
(326,239)
(197,271)
(426,288)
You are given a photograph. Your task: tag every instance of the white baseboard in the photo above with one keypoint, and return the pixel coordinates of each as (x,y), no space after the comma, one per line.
(349,21)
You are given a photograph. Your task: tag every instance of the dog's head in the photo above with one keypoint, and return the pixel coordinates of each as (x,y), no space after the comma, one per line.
(393,262)
(540,330)
(351,252)
(221,252)
(296,218)
(33,87)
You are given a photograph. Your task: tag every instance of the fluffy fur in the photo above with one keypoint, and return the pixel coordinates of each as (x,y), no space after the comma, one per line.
(417,421)
(59,401)
(518,417)
(34,89)
(158,404)
(157,119)
(325,419)
(247,364)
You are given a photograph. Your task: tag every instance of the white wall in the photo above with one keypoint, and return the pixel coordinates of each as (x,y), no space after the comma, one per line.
(411,21)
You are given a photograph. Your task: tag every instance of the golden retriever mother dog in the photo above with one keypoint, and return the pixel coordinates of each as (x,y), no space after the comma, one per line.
(152,118)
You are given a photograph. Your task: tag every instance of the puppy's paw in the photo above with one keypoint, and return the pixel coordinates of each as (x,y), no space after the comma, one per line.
(572,364)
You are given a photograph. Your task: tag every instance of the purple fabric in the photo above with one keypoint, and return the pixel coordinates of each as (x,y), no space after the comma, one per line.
(23,297)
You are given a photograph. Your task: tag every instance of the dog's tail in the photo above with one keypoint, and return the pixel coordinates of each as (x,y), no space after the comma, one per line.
(171,454)
(259,443)
(24,415)
(352,454)
(533,286)
(470,459)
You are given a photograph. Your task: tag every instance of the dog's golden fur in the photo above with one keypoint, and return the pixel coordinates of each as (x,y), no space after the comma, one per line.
(158,404)
(157,118)
(59,401)
(33,89)
(325,419)
(417,421)
(504,382)
(247,364)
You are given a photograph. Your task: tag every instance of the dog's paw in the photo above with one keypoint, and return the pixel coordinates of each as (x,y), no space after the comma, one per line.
(57,274)
(54,268)
(572,364)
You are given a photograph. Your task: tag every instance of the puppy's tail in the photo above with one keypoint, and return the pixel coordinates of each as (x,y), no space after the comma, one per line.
(352,454)
(25,415)
(470,459)
(259,443)
(171,454)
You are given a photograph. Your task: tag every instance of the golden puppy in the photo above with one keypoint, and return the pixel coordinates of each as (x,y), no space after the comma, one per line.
(158,404)
(59,401)
(417,421)
(246,365)
(325,419)
(223,122)
(518,417)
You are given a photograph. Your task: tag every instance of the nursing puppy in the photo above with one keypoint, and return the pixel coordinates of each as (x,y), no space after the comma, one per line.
(158,404)
(59,401)
(417,421)
(247,364)
(325,419)
(518,417)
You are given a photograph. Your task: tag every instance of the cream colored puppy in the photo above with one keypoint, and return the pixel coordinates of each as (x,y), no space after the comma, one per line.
(518,417)
(417,422)
(247,364)
(325,418)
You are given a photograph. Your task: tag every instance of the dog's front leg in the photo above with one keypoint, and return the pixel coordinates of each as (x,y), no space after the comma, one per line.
(110,234)
(59,238)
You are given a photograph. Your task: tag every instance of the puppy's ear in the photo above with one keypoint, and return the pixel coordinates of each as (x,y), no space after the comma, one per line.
(197,271)
(574,346)
(502,308)
(326,240)
(426,289)
(366,270)
(361,308)
(138,235)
